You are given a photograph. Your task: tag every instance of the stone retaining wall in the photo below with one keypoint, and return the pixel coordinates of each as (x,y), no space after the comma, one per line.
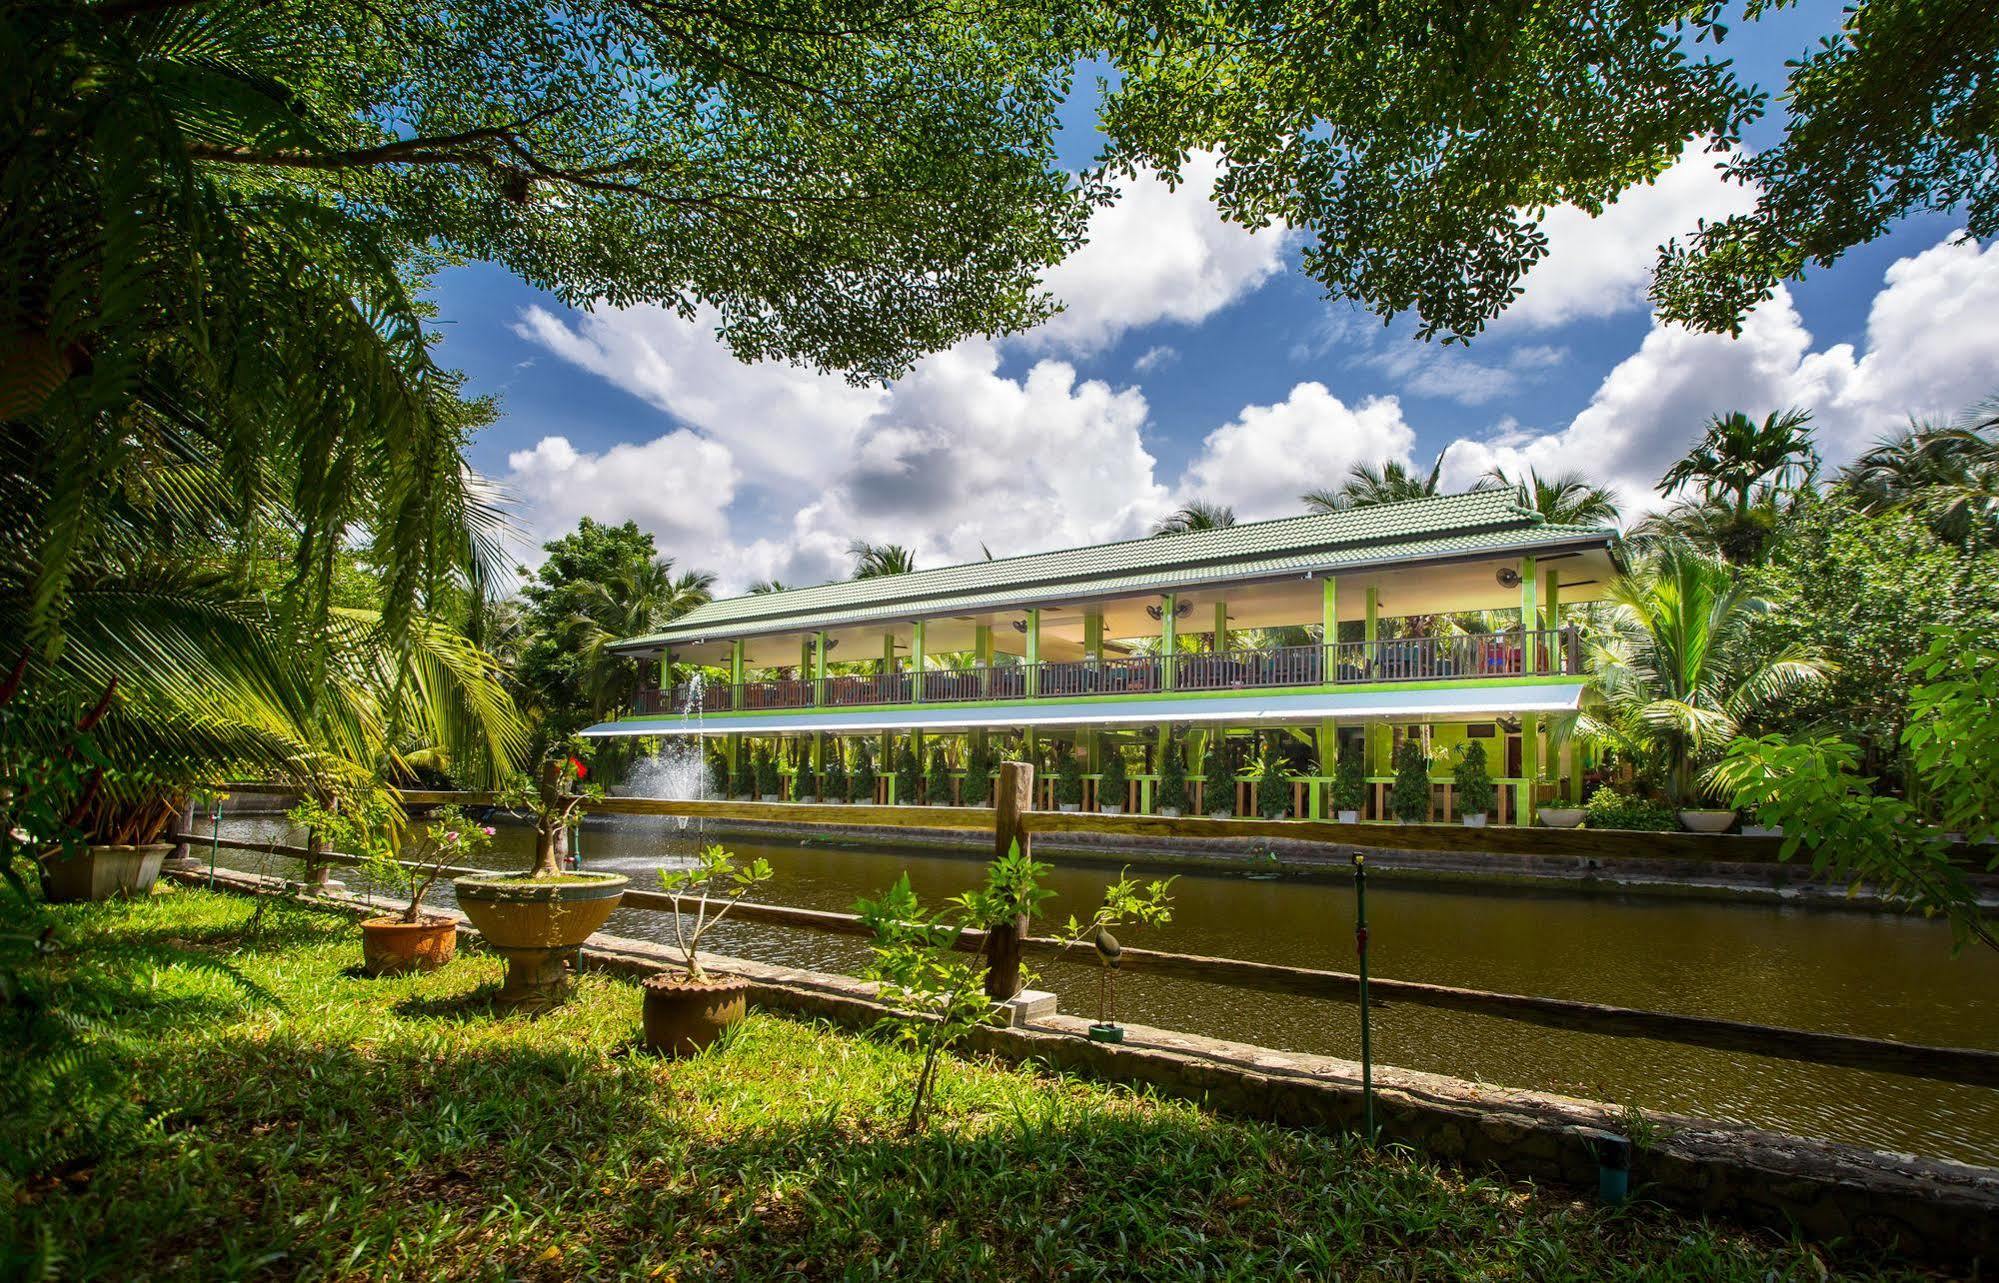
(1928,1209)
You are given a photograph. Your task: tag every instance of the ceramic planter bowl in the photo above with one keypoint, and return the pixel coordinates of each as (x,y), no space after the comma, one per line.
(391,947)
(537,925)
(684,1016)
(103,872)
(1561,817)
(1704,821)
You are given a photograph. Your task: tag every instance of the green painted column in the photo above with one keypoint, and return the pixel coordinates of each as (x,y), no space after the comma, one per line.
(1220,634)
(916,661)
(1093,753)
(1530,766)
(1530,646)
(1329,626)
(666,668)
(818,676)
(1093,634)
(982,655)
(805,657)
(1169,628)
(736,673)
(1033,652)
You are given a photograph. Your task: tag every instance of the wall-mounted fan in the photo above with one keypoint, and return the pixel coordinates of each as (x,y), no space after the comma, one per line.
(1508,577)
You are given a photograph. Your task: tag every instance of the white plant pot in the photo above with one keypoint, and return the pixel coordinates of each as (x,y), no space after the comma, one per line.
(1170,812)
(1476,820)
(773,797)
(1762,830)
(1349,817)
(1706,821)
(1221,815)
(1562,817)
(1110,810)
(1069,806)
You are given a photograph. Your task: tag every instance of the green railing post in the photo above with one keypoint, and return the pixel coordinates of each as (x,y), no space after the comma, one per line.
(1360,950)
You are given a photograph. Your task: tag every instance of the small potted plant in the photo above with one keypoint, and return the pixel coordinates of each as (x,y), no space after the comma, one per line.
(411,939)
(718,775)
(1474,790)
(687,1010)
(770,785)
(1218,781)
(1123,903)
(1706,819)
(833,781)
(1273,786)
(977,789)
(538,919)
(1350,786)
(93,832)
(1172,779)
(937,782)
(908,777)
(865,782)
(1409,798)
(1068,780)
(1113,785)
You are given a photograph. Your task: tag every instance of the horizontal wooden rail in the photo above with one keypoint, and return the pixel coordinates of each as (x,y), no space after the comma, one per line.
(1970,1066)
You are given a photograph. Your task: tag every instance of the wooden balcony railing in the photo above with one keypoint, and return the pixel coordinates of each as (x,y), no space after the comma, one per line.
(1553,652)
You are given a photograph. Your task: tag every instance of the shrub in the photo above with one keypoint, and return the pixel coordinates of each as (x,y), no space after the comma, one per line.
(1172,776)
(1068,776)
(1113,785)
(1609,809)
(718,774)
(866,778)
(1409,799)
(1219,786)
(833,780)
(1474,783)
(977,789)
(1350,782)
(937,785)
(1273,787)
(908,776)
(768,783)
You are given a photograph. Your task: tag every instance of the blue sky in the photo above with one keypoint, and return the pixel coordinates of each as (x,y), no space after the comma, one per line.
(1195,361)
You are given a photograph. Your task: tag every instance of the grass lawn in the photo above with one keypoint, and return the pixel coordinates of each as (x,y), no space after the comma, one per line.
(210,1093)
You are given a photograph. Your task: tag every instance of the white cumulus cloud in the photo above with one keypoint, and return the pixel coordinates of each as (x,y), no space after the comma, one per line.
(1261,461)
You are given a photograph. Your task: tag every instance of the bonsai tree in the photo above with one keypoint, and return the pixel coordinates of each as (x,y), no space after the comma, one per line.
(718,774)
(833,782)
(1068,777)
(862,786)
(1123,903)
(557,798)
(717,884)
(1172,777)
(769,783)
(1409,799)
(1475,793)
(1113,785)
(1219,785)
(937,784)
(977,790)
(1273,786)
(1350,782)
(908,776)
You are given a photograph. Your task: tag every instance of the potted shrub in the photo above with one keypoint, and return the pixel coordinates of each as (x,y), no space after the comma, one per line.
(937,783)
(1172,779)
(412,939)
(1561,817)
(1273,786)
(1123,902)
(1706,819)
(538,919)
(718,775)
(977,790)
(1218,780)
(833,783)
(1475,793)
(1409,798)
(1068,780)
(1609,809)
(770,785)
(92,833)
(1350,787)
(687,1010)
(861,788)
(908,777)
(1113,784)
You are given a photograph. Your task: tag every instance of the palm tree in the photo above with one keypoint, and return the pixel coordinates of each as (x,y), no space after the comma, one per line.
(764,587)
(1196,516)
(872,560)
(1565,499)
(1737,454)
(1368,485)
(1678,673)
(636,600)
(1948,472)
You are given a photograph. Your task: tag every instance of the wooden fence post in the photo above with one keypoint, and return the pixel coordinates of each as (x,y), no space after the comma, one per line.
(1014,797)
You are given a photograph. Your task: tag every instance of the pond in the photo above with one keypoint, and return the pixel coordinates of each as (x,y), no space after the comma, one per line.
(1845,972)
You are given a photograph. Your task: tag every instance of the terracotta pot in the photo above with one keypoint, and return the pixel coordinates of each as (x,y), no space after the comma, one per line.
(1707,821)
(1561,817)
(537,926)
(684,1016)
(103,872)
(391,947)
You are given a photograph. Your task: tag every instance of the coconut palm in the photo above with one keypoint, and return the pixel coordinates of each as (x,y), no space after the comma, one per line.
(1737,455)
(1676,673)
(1195,516)
(764,587)
(1565,499)
(635,600)
(1949,472)
(1368,485)
(872,560)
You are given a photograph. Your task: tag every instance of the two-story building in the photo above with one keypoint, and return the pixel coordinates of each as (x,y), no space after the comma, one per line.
(1440,618)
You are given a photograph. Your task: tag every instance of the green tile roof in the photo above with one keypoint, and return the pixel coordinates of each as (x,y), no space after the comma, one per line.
(1414,530)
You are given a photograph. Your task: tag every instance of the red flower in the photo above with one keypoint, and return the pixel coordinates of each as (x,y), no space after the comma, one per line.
(576,764)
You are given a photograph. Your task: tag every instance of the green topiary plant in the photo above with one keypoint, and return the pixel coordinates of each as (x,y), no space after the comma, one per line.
(718,775)
(1218,786)
(1172,777)
(1475,794)
(1409,799)
(769,784)
(1113,786)
(977,790)
(1273,787)
(833,781)
(937,784)
(1068,777)
(908,776)
(1350,782)
(866,779)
